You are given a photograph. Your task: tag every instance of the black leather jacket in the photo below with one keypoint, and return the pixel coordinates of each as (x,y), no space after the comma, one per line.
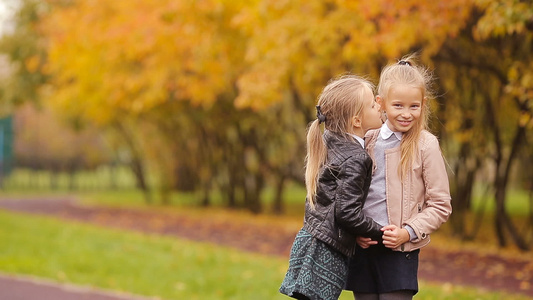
(341,192)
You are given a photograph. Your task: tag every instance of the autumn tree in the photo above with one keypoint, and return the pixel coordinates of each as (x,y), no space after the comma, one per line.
(164,74)
(509,25)
(297,46)
(493,88)
(25,57)
(134,63)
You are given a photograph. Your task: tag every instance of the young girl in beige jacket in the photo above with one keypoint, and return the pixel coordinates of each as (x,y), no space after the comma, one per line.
(409,194)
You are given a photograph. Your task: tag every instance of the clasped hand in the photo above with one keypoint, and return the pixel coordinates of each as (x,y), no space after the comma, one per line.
(393,237)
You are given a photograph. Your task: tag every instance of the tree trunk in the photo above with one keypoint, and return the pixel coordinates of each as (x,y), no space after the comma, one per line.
(530,223)
(136,164)
(205,189)
(253,188)
(277,205)
(205,201)
(478,217)
(499,220)
(137,168)
(233,184)
(464,178)
(501,191)
(503,221)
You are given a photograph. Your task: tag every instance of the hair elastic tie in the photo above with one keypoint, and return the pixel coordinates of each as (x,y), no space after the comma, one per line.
(404,63)
(321,118)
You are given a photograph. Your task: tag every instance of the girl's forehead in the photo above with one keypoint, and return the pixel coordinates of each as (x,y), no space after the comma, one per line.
(398,89)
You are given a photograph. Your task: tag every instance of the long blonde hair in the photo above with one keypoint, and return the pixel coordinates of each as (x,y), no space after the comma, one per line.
(339,102)
(406,72)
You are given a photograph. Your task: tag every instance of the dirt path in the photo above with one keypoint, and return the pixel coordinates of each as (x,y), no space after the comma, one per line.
(491,272)
(28,288)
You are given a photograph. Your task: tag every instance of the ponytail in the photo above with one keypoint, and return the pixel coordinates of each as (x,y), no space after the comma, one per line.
(315,158)
(338,103)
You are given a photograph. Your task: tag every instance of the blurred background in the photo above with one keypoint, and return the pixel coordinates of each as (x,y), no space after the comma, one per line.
(203,105)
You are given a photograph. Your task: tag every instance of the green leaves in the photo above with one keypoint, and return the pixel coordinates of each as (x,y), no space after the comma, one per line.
(504,17)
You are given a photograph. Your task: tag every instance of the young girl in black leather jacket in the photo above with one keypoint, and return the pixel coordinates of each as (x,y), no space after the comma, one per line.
(337,177)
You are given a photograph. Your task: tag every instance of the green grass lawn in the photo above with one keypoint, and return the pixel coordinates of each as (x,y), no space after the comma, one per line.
(132,262)
(167,267)
(153,265)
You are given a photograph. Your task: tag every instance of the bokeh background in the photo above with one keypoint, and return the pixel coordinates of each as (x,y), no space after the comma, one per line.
(202,106)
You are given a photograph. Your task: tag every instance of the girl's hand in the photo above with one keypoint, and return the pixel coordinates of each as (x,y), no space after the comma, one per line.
(394,237)
(364,242)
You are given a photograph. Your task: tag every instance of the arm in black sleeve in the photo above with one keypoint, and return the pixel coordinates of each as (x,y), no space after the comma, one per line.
(351,195)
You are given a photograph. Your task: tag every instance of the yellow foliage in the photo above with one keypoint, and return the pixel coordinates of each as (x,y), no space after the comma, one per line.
(32,63)
(525,119)
(131,56)
(502,17)
(113,57)
(309,42)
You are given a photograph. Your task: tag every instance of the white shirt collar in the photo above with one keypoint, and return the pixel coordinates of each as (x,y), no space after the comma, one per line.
(360,140)
(386,132)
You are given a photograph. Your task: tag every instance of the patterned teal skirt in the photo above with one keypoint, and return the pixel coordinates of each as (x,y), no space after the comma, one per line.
(316,270)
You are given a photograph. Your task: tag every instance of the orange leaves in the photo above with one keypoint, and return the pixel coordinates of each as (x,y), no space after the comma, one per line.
(131,56)
(114,57)
(404,24)
(309,42)
(138,54)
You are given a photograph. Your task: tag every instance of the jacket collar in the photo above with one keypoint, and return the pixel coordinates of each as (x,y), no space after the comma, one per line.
(341,141)
(358,139)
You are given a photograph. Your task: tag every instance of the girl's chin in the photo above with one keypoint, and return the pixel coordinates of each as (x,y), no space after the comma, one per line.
(402,129)
(403,126)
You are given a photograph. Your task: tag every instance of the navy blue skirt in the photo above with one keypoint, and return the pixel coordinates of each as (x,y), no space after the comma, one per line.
(379,269)
(316,270)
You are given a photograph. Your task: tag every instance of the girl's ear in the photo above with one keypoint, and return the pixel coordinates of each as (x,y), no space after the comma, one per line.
(356,122)
(379,101)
